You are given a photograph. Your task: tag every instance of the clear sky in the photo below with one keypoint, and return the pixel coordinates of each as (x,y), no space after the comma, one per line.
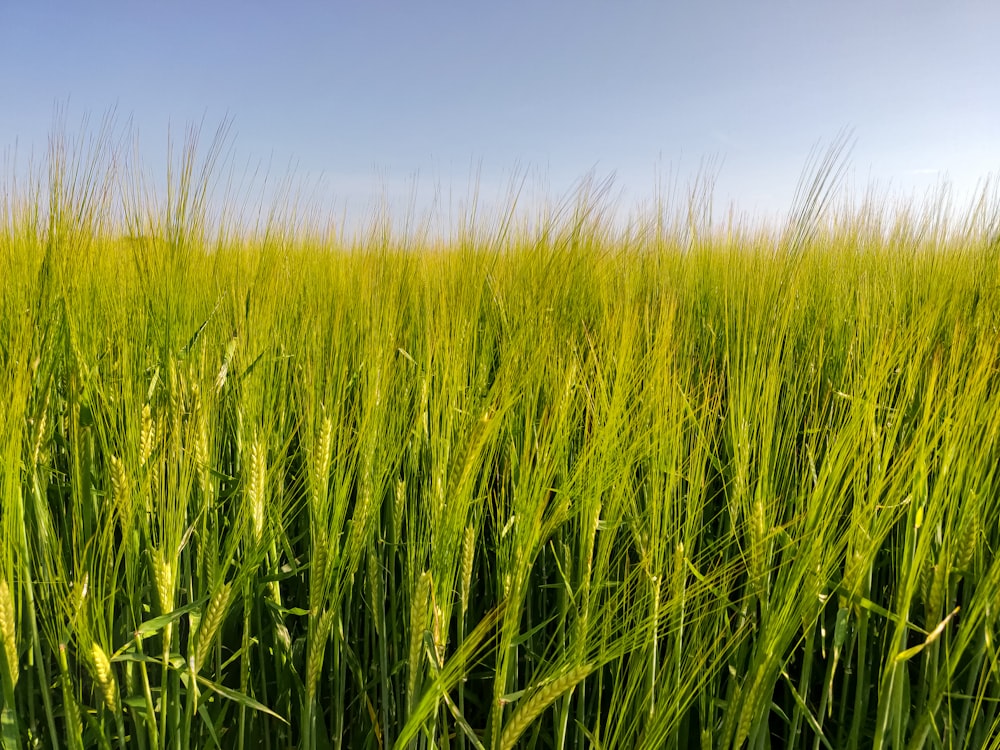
(370,96)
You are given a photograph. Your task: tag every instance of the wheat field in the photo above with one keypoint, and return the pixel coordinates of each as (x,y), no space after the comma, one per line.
(562,485)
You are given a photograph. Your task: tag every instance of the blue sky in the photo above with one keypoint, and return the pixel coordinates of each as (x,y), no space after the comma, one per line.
(361,98)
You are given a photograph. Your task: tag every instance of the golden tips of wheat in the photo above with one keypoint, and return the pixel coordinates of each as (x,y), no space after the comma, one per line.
(758,529)
(163,577)
(36,447)
(938,587)
(363,513)
(317,573)
(968,541)
(588,548)
(754,701)
(437,503)
(105,677)
(853,566)
(74,727)
(321,461)
(468,558)
(424,411)
(315,652)
(747,714)
(8,631)
(210,624)
(130,682)
(220,380)
(77,598)
(419,615)
(680,571)
(439,634)
(256,490)
(284,637)
(924,579)
(175,381)
(201,451)
(147,435)
(539,701)
(399,504)
(119,483)
(374,580)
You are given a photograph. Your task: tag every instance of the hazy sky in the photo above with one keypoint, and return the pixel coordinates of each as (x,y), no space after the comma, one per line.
(365,95)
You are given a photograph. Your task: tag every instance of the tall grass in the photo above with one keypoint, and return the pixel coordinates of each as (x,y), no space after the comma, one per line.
(547,487)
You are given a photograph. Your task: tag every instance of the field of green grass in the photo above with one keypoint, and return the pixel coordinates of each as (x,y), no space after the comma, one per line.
(550,486)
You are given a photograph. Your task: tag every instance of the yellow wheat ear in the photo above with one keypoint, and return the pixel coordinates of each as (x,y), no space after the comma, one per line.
(8,632)
(105,677)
